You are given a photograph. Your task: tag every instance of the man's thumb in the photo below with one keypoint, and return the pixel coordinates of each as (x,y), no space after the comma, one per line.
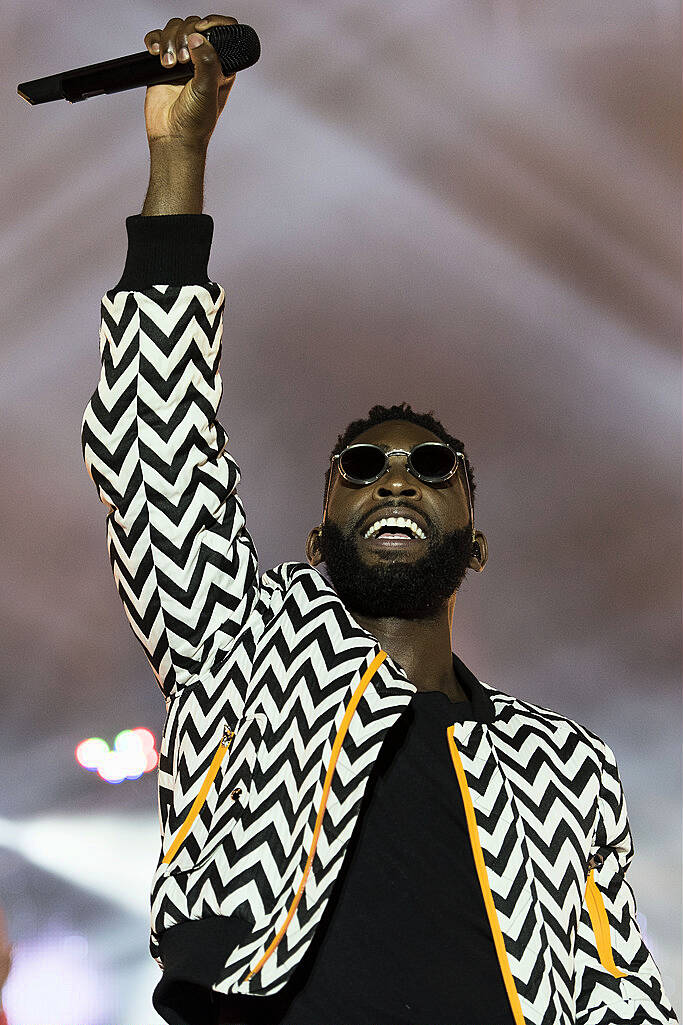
(207,69)
(195,39)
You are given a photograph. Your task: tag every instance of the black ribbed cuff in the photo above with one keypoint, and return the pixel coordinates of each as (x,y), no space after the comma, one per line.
(172,249)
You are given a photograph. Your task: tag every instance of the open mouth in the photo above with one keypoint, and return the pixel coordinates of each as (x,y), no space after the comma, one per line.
(394,532)
(393,540)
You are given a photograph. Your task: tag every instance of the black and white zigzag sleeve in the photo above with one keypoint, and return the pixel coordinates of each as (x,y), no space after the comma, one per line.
(184,563)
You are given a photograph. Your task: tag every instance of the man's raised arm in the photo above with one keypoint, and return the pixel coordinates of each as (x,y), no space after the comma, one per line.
(184,563)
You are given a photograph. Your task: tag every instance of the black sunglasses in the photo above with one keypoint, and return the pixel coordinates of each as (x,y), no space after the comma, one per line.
(431,461)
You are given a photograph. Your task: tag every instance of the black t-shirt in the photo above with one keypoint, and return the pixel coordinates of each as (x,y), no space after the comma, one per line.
(405,938)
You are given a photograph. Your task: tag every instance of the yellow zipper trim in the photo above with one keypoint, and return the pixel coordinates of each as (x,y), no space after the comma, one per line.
(336,747)
(600,923)
(201,796)
(484,882)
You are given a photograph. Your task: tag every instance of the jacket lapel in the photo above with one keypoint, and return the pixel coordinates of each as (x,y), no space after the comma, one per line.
(505,873)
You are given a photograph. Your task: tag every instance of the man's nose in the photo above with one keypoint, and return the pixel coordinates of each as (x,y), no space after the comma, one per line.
(398,481)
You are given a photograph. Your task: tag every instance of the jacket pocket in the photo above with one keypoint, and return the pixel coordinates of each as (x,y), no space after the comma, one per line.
(599,921)
(220,799)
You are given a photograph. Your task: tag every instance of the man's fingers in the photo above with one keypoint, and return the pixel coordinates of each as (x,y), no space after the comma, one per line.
(182,37)
(215,19)
(167,41)
(171,42)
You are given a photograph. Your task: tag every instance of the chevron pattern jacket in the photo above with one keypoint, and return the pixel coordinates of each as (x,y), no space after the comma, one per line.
(278,702)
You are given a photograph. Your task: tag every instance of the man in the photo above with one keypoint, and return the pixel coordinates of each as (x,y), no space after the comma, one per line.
(5,962)
(354,828)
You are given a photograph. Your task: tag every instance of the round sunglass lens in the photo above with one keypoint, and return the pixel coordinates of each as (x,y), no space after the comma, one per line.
(433,461)
(362,462)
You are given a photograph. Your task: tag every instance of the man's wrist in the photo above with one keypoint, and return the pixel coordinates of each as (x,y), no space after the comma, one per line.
(176,179)
(176,149)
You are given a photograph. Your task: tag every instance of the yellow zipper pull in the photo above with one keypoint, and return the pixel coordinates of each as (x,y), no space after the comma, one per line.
(228,734)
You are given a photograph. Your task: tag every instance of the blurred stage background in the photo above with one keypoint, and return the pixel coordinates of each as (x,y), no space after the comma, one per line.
(471,207)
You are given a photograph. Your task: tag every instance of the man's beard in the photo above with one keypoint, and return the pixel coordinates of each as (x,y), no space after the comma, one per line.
(398,588)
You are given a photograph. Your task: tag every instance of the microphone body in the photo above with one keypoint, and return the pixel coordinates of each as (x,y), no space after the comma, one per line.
(237,46)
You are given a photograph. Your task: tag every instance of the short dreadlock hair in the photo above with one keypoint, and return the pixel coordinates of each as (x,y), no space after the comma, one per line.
(378,414)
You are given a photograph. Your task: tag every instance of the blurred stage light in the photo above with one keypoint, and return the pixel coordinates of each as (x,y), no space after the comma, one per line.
(91,850)
(90,752)
(132,755)
(81,993)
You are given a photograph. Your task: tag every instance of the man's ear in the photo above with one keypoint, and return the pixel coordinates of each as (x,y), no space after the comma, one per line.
(480,552)
(313,553)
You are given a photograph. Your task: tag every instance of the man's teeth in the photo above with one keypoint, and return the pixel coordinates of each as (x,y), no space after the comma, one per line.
(395,521)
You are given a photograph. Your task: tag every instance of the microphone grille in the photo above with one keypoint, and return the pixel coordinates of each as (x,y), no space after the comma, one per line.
(237,46)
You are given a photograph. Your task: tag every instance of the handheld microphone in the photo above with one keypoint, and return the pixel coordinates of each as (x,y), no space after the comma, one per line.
(237,46)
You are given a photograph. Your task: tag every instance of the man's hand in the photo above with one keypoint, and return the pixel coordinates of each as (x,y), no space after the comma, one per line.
(186,114)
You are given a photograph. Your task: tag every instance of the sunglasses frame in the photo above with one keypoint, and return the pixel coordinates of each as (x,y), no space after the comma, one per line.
(459,456)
